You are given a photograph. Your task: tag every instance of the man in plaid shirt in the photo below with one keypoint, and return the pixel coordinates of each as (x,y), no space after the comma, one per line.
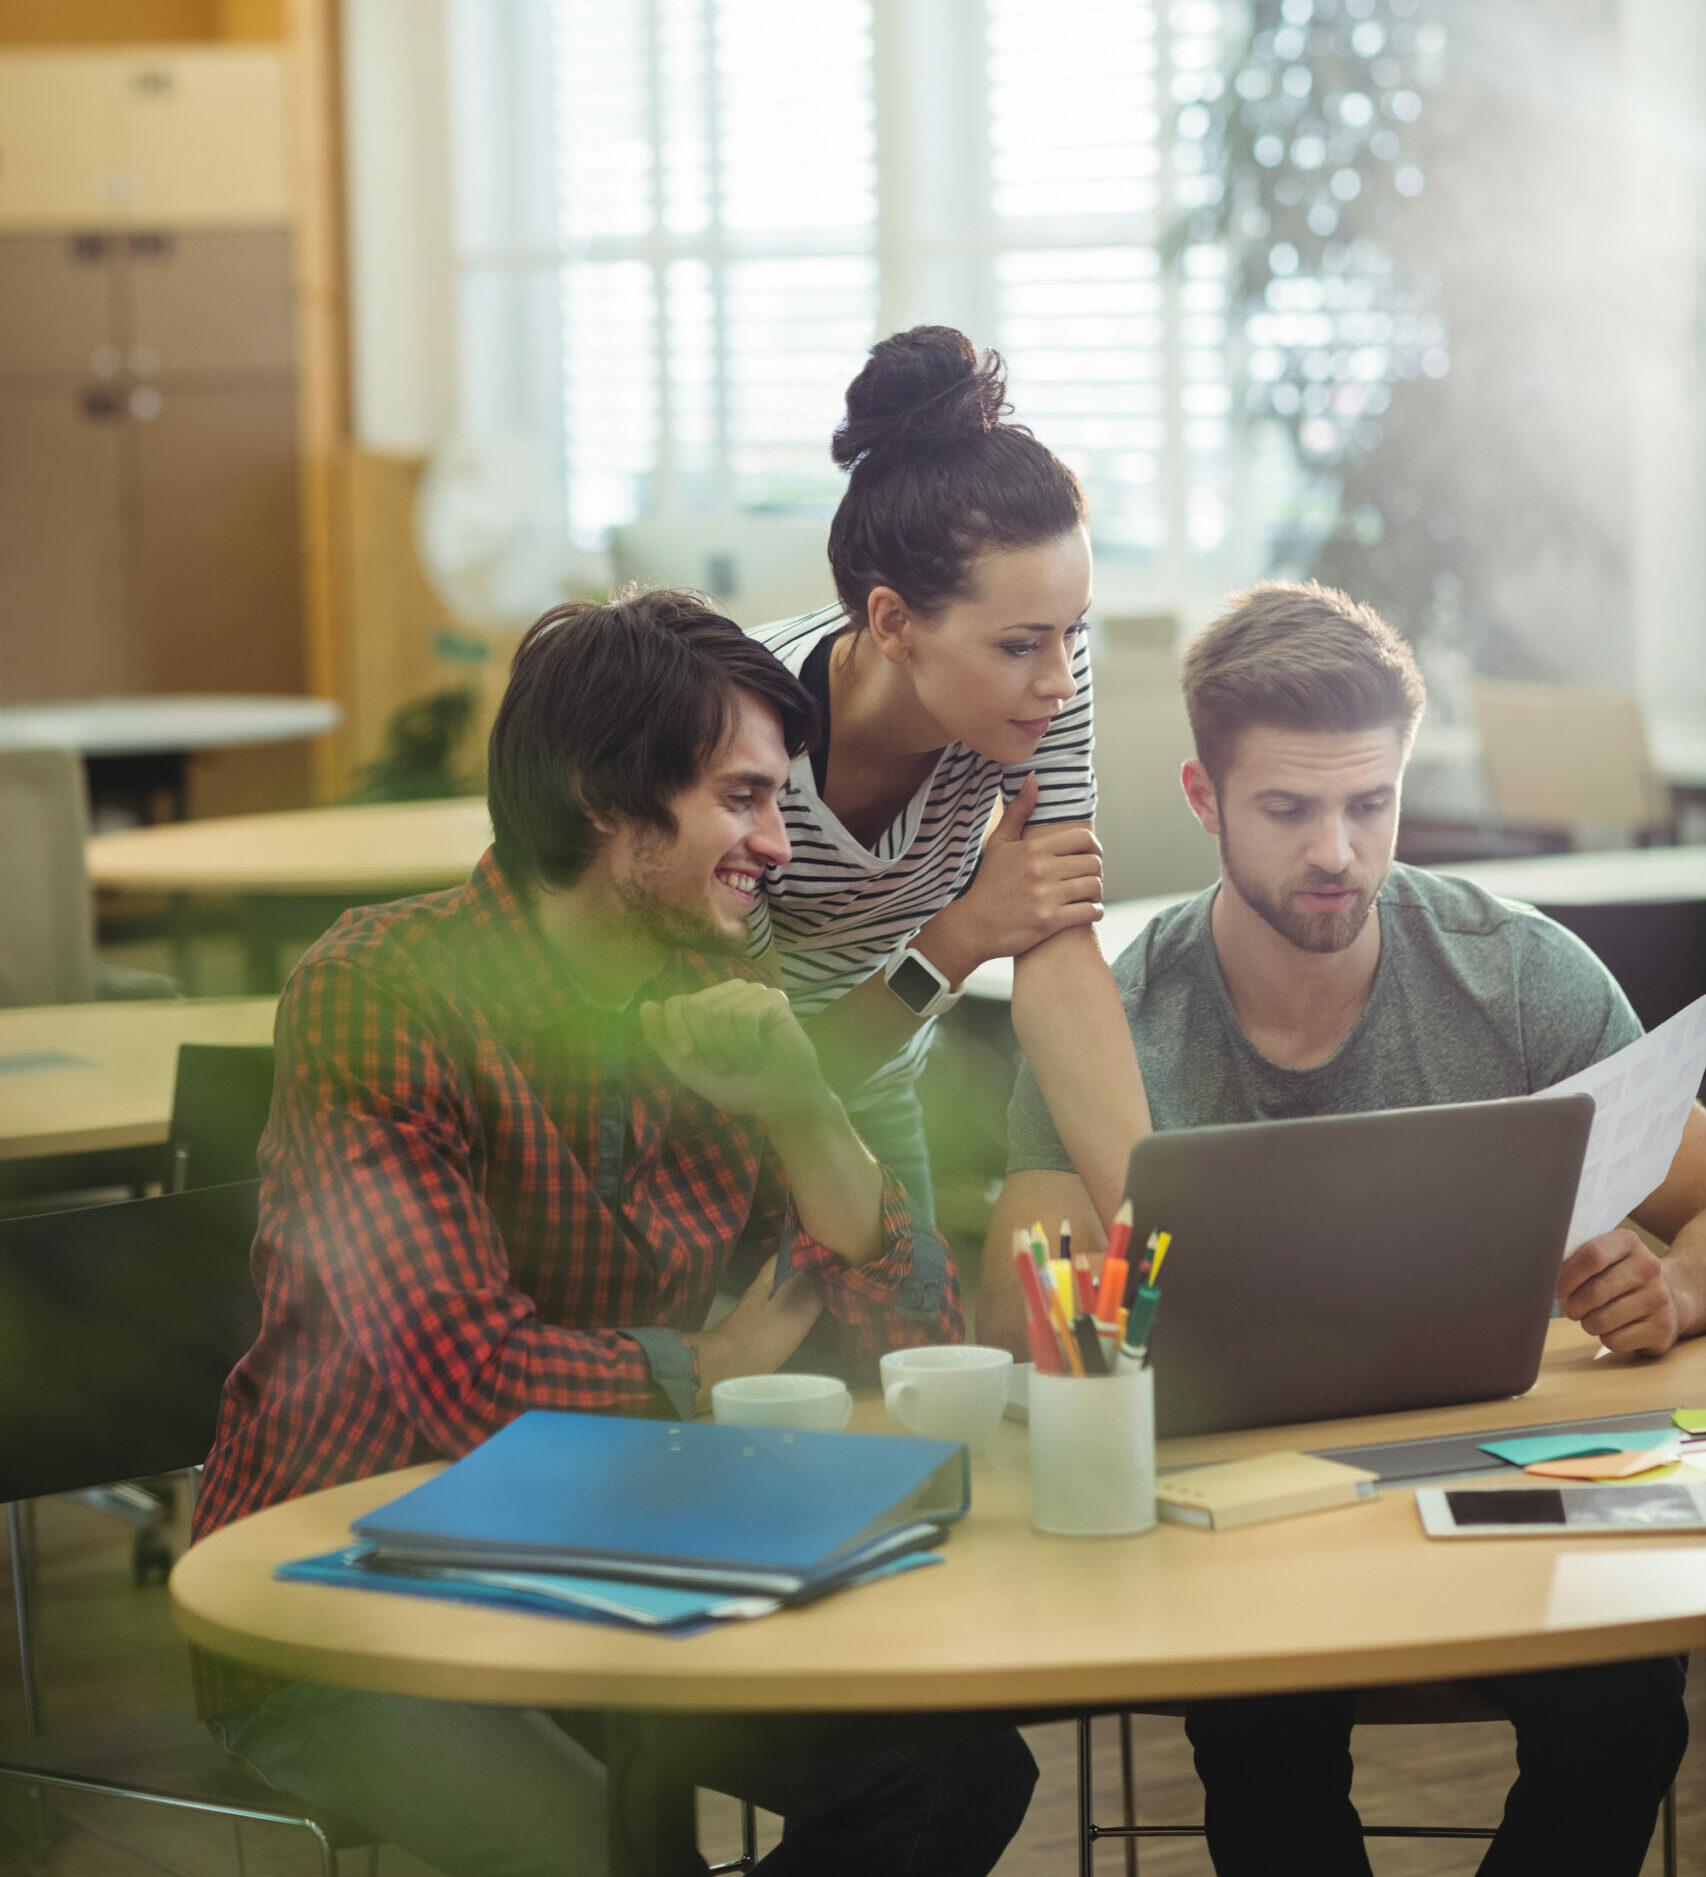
(522,1132)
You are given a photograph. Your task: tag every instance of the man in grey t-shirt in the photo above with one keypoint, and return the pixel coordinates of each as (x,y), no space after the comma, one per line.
(1319,978)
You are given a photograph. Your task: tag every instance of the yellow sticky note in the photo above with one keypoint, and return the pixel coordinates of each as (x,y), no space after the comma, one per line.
(1691,1420)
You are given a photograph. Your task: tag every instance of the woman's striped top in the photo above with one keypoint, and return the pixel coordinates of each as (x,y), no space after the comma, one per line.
(839,910)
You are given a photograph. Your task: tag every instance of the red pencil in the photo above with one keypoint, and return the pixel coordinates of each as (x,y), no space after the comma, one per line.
(1120,1237)
(1039,1332)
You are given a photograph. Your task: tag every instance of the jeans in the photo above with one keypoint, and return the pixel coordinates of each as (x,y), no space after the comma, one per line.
(894,1132)
(1596,1748)
(514,1792)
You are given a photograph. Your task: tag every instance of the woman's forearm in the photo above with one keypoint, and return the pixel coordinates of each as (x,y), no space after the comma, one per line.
(1072,1027)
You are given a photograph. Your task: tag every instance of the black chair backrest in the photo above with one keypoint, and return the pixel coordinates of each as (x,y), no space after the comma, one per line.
(118,1327)
(220,1099)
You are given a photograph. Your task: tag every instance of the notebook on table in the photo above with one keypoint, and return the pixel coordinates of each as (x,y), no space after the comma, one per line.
(1356,1264)
(768,1511)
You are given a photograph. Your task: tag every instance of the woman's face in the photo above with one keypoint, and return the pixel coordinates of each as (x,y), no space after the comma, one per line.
(993,669)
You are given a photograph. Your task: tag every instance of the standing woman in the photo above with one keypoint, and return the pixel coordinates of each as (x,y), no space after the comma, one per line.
(952,674)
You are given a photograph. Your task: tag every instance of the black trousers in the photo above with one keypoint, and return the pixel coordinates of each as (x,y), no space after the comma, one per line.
(859,1795)
(1596,1748)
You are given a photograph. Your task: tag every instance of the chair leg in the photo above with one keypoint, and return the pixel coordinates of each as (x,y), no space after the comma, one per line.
(748,1843)
(1086,1824)
(323,1844)
(373,1860)
(1669,1815)
(1128,1793)
(23,1585)
(237,1847)
(18,1537)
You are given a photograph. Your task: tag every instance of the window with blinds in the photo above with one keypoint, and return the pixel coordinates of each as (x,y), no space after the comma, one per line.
(717,201)
(716,182)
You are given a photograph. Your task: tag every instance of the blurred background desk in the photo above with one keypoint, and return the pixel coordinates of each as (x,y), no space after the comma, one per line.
(86,1089)
(293,873)
(135,748)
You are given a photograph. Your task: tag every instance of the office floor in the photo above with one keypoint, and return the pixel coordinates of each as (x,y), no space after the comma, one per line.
(110,1649)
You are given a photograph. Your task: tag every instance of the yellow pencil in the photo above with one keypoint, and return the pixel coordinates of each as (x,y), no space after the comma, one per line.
(1162,1241)
(1059,1301)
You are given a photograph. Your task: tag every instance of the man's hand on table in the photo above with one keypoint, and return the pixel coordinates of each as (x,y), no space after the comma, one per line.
(1620,1291)
(759,1334)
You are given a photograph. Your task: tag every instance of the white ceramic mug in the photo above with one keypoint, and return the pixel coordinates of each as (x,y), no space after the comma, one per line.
(1093,1453)
(819,1402)
(948,1392)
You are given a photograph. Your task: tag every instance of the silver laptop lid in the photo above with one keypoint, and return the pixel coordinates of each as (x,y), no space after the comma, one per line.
(1356,1264)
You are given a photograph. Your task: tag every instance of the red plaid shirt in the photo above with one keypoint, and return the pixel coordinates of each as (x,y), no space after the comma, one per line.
(480,1194)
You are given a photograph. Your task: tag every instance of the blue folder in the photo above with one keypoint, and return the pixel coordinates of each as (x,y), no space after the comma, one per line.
(764,1510)
(661,1608)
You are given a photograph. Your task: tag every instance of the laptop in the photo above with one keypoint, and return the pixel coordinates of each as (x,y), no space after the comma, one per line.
(1356,1264)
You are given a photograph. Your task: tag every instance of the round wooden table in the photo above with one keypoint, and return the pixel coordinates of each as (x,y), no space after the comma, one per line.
(1013,1619)
(383,848)
(133,745)
(293,873)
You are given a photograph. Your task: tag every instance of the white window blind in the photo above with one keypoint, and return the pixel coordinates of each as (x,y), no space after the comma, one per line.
(716,189)
(1119,359)
(716,212)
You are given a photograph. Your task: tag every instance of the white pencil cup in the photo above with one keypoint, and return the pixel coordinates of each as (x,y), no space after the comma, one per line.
(1093,1453)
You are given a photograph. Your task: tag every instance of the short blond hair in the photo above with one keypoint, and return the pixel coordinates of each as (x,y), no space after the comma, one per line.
(1296,655)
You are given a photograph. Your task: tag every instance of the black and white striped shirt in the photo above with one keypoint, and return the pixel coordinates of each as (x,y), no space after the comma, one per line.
(840,910)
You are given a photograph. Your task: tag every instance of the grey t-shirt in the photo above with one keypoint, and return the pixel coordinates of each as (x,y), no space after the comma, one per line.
(1474,998)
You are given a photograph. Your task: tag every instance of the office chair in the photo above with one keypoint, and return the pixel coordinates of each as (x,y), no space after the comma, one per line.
(1151,841)
(221,1097)
(1563,758)
(1406,1706)
(120,1324)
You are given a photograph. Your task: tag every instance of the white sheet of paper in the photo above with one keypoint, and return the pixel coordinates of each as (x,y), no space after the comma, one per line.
(1641,1099)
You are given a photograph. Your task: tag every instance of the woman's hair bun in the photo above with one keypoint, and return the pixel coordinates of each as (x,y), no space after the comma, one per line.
(923,389)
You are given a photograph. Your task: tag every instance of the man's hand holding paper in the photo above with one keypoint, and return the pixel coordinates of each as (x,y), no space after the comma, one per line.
(1646,1160)
(1619,1290)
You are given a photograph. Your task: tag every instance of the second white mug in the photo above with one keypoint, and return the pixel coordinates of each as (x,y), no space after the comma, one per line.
(949,1391)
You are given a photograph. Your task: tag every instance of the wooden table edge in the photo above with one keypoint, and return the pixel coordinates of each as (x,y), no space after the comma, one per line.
(1114,1685)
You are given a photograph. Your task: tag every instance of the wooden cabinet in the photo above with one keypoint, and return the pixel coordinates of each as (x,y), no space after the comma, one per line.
(149,480)
(216,582)
(183,135)
(64,627)
(149,535)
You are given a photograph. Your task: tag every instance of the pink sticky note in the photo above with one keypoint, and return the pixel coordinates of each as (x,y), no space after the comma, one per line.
(1599,1466)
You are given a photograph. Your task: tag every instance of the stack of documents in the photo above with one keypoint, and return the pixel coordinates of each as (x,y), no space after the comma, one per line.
(666,1526)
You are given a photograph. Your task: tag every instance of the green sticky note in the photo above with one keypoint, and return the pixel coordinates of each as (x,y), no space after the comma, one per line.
(1550,1447)
(1691,1420)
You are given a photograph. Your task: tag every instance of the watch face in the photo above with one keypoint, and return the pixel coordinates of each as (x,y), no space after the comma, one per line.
(914,986)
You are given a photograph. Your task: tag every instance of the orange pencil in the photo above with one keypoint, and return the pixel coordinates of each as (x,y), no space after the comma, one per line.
(1112,1288)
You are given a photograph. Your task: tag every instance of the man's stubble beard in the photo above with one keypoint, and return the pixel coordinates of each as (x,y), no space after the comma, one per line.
(1317,932)
(667,924)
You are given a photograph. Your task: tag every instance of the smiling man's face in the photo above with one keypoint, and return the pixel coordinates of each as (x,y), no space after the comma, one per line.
(1307,823)
(695,887)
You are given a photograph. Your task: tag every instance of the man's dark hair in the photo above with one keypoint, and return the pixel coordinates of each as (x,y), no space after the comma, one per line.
(1297,657)
(612,711)
(936,475)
